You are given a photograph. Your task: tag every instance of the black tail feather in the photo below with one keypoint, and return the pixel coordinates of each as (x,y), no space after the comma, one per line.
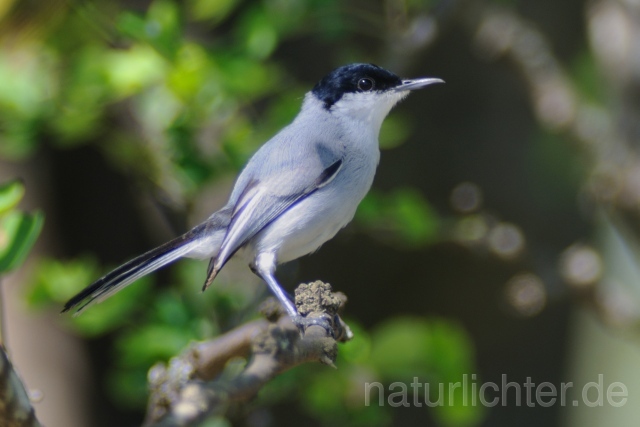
(123,275)
(150,261)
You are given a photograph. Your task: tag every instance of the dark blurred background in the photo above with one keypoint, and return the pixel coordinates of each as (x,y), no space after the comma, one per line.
(500,238)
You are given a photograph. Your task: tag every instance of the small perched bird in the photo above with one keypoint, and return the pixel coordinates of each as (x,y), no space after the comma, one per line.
(296,192)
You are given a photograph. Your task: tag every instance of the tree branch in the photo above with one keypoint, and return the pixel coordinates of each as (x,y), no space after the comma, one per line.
(15,406)
(193,385)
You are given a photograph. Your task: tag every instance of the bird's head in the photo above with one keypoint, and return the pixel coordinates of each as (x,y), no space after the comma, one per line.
(365,91)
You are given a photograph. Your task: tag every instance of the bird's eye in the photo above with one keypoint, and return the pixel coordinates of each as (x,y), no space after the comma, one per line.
(365,84)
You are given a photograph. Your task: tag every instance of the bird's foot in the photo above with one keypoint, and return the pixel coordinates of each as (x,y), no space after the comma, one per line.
(324,320)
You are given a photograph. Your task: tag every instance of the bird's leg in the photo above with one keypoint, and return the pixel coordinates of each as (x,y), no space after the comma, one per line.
(264,267)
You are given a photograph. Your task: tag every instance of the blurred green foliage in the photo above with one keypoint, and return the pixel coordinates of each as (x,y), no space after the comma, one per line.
(179,96)
(18,230)
(587,78)
(398,350)
(402,216)
(552,152)
(150,323)
(10,194)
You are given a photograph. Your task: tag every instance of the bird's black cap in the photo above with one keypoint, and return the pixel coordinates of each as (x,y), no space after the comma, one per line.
(353,78)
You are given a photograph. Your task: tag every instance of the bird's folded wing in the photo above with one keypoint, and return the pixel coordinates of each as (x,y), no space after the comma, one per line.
(265,198)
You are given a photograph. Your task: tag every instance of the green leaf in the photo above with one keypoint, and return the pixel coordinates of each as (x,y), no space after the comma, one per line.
(18,233)
(10,194)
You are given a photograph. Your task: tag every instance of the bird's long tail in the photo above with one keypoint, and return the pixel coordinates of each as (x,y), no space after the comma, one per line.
(187,244)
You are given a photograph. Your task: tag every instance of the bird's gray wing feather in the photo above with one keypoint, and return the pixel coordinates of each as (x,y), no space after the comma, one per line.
(268,194)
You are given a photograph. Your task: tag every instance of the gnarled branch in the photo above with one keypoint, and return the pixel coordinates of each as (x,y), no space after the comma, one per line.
(190,387)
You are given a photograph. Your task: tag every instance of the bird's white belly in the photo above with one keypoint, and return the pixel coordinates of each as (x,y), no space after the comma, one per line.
(302,229)
(305,226)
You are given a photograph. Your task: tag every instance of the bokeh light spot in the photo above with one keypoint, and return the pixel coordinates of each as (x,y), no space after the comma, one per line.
(506,240)
(580,265)
(466,197)
(526,294)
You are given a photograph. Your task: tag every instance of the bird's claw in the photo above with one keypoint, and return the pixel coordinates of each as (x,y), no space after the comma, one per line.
(325,321)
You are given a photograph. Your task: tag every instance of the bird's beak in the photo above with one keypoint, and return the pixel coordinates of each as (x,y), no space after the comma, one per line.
(413,84)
